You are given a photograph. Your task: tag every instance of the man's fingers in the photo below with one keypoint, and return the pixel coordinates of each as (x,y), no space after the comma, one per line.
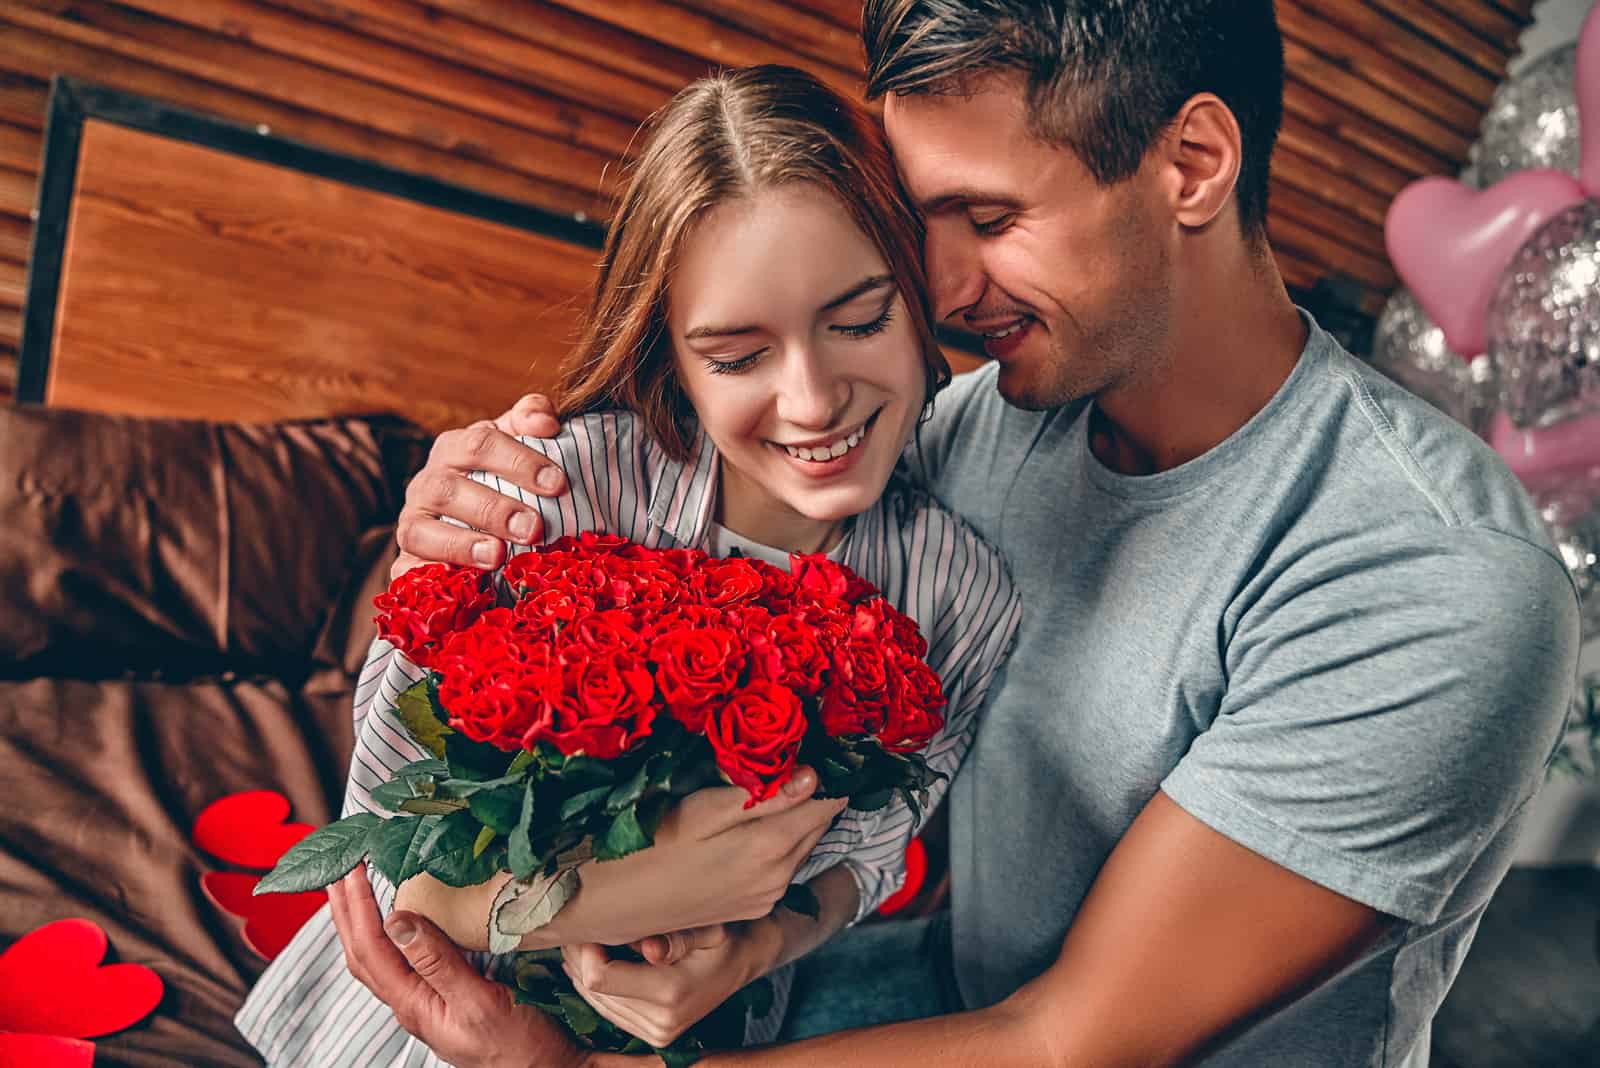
(533,416)
(424,539)
(438,962)
(370,955)
(485,447)
(645,983)
(531,409)
(451,494)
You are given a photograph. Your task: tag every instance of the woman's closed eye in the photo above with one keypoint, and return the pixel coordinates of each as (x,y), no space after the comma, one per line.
(733,366)
(868,328)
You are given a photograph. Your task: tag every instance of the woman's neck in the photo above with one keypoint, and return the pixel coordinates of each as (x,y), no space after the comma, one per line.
(751,512)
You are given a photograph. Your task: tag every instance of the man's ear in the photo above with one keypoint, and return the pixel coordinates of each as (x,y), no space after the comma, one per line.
(1203,149)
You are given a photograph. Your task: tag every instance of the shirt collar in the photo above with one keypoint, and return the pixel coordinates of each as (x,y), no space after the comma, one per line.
(683,495)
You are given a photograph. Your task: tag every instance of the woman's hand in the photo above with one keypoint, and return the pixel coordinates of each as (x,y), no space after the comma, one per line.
(714,861)
(660,1001)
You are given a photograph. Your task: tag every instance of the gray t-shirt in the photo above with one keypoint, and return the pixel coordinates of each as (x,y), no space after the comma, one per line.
(1340,638)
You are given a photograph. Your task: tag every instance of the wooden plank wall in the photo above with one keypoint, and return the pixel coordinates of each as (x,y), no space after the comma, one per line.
(536,100)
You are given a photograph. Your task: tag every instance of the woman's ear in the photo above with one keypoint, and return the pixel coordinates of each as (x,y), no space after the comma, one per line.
(1204,148)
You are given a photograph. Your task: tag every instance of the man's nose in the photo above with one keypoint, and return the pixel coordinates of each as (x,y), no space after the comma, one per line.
(955,275)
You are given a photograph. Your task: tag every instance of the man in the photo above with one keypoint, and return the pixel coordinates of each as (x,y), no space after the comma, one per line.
(1295,650)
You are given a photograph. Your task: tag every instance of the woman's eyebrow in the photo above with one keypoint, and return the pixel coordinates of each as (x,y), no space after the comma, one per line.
(866,285)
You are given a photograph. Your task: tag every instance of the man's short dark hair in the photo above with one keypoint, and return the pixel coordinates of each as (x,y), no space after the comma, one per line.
(1104,77)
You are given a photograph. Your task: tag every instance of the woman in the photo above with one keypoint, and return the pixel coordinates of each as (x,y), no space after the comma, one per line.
(755,357)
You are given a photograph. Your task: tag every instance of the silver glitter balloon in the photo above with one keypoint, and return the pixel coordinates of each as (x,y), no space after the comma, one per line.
(1574,526)
(1532,121)
(1544,321)
(1409,348)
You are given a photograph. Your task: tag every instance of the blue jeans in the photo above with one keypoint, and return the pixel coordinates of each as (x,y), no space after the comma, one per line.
(873,974)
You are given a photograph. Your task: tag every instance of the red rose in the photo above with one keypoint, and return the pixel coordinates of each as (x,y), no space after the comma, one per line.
(858,693)
(696,670)
(493,678)
(554,607)
(788,653)
(918,714)
(683,617)
(643,584)
(611,631)
(680,562)
(878,620)
(720,583)
(427,604)
(596,542)
(599,705)
(746,619)
(817,575)
(756,737)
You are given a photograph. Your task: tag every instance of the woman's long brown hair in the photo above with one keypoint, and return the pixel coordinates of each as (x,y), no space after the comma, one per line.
(724,137)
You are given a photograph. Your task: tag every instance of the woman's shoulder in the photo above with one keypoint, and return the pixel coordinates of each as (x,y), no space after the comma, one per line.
(945,550)
(591,432)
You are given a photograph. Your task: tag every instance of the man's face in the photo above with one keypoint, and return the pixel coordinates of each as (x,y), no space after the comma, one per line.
(1068,282)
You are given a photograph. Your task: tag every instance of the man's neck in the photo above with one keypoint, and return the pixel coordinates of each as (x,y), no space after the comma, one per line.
(1232,349)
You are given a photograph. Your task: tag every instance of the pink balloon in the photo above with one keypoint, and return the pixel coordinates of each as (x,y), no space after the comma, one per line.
(1450,243)
(1587,88)
(1564,456)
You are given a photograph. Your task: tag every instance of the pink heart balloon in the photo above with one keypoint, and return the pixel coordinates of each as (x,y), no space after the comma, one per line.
(1587,87)
(1564,456)
(1450,243)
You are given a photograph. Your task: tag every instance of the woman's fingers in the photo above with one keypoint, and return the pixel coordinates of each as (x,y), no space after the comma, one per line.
(668,949)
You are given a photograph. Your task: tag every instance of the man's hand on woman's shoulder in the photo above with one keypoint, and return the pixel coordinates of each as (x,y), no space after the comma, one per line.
(444,489)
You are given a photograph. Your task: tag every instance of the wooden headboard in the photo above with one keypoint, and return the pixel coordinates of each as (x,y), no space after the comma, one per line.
(185,266)
(188,267)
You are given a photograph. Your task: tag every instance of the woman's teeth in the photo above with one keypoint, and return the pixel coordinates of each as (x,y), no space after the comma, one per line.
(829,452)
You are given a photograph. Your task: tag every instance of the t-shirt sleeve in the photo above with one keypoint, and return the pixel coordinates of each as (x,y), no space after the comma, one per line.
(1391,702)
(961,586)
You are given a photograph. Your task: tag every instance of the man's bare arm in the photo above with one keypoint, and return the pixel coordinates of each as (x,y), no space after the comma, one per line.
(1184,937)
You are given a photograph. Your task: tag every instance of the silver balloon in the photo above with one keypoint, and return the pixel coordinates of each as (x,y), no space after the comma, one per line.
(1544,321)
(1409,348)
(1532,121)
(1574,525)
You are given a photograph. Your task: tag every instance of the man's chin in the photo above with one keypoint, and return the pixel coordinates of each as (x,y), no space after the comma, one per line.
(1021,388)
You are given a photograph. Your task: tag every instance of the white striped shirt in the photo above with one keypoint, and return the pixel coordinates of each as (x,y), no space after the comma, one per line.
(308,1010)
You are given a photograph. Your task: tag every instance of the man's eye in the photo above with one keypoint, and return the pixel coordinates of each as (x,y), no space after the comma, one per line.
(991,224)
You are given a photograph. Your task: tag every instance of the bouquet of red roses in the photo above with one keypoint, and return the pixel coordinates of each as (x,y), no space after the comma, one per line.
(616,679)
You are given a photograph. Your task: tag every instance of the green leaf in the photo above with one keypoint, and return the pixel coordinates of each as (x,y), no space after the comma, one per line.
(431,768)
(588,771)
(450,854)
(580,803)
(485,836)
(527,905)
(498,808)
(475,761)
(519,848)
(633,789)
(395,846)
(800,898)
(520,763)
(415,708)
(431,806)
(624,836)
(324,856)
(396,792)
(676,1056)
(580,1017)
(871,801)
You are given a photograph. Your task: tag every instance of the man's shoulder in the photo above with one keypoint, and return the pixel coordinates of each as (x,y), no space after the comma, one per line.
(1380,452)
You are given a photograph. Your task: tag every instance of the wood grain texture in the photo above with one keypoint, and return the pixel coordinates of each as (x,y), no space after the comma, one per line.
(538,100)
(198,283)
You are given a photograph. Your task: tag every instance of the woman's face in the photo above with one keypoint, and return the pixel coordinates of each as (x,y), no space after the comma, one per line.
(793,344)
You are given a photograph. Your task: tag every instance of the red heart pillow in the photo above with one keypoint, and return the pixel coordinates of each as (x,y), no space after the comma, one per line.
(248,829)
(45,1051)
(52,983)
(271,920)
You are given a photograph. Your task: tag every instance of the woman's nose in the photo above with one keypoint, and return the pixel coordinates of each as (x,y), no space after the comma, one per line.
(811,395)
